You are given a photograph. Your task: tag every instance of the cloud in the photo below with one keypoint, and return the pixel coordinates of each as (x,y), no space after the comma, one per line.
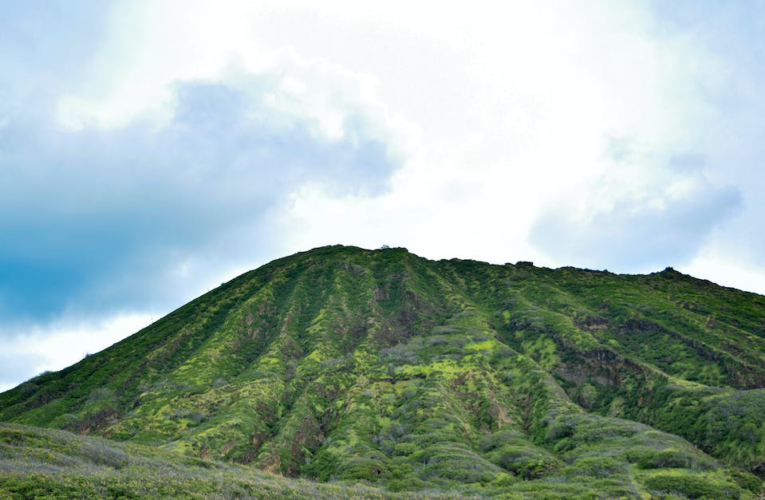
(150,150)
(110,217)
(15,367)
(57,345)
(663,225)
(41,43)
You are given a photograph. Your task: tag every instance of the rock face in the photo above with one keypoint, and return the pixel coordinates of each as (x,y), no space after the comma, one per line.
(380,366)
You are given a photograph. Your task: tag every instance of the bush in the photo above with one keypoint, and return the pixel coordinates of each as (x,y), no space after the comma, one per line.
(28,388)
(101,394)
(669,459)
(100,454)
(690,486)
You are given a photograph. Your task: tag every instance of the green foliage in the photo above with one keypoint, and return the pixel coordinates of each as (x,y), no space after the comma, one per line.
(44,463)
(384,369)
(690,487)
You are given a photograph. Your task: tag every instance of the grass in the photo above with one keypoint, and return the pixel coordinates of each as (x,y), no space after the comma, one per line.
(46,463)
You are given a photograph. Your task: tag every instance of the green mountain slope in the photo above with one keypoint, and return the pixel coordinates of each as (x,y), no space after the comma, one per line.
(385,368)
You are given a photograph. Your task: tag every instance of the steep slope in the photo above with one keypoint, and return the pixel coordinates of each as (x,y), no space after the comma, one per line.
(380,366)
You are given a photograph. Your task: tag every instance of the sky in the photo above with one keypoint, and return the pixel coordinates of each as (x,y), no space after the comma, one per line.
(150,151)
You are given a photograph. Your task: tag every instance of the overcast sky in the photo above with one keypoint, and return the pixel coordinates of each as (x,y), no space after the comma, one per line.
(151,150)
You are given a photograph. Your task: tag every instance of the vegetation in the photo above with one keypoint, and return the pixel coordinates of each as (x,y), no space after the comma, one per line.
(47,463)
(380,369)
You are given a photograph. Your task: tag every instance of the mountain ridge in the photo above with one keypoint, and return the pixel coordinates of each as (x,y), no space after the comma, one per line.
(380,366)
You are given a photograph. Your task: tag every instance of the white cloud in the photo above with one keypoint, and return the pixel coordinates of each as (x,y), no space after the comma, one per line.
(497,113)
(61,343)
(501,110)
(720,268)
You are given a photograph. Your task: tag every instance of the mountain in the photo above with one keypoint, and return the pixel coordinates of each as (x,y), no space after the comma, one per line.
(387,369)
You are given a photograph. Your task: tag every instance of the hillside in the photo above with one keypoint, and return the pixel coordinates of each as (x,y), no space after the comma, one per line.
(49,463)
(381,367)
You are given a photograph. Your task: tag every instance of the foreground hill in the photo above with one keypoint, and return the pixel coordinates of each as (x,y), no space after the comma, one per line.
(47,463)
(385,368)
